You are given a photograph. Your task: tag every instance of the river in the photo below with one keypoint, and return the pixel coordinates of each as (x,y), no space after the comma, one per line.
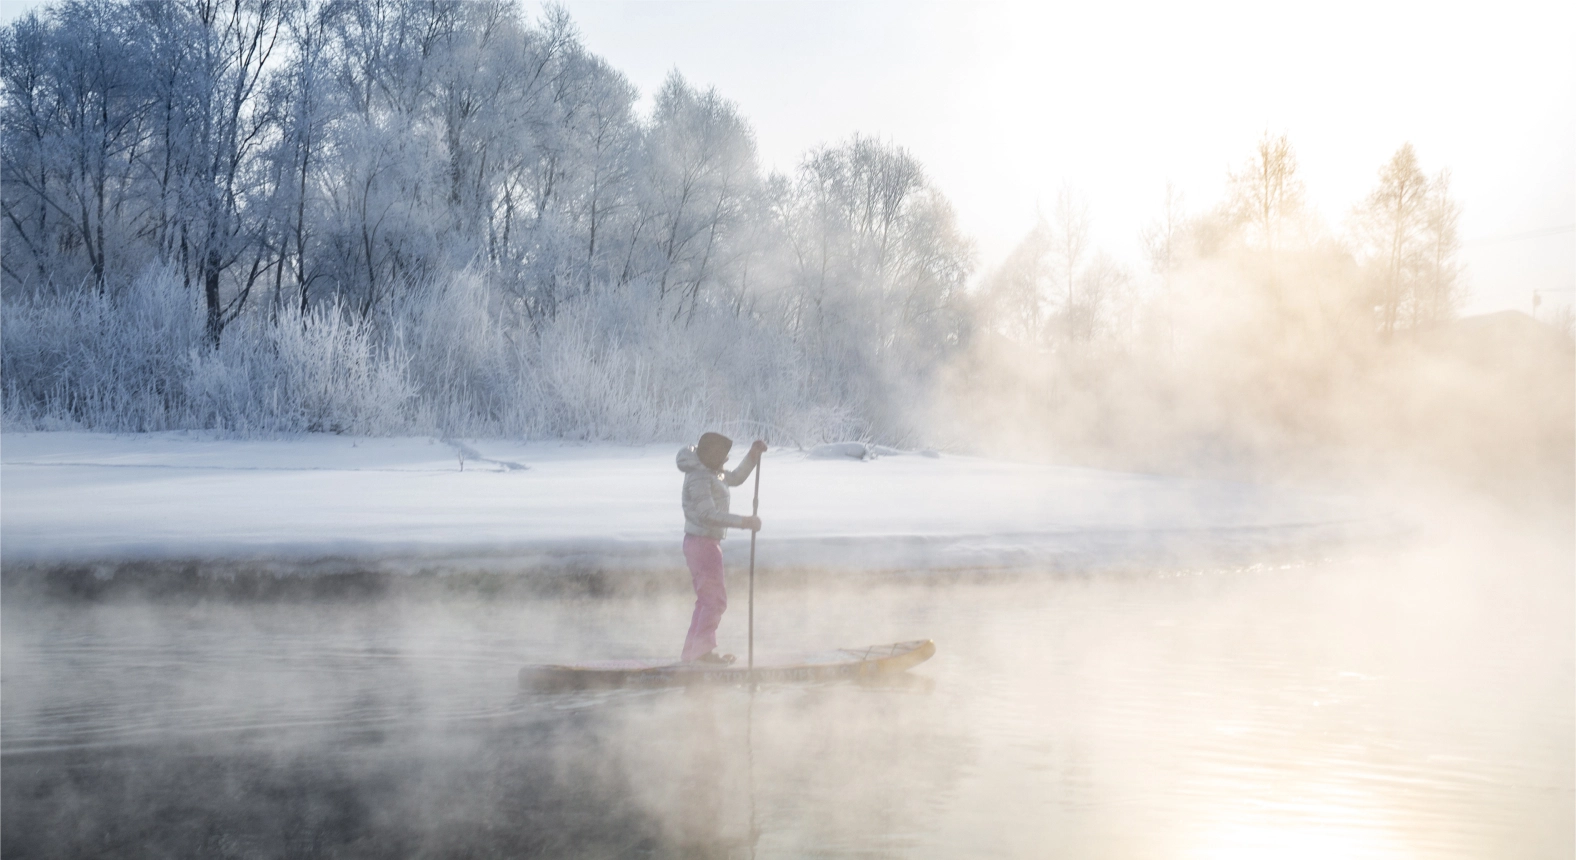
(1398,702)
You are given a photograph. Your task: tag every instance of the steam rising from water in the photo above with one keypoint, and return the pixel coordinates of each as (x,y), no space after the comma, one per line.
(1399,704)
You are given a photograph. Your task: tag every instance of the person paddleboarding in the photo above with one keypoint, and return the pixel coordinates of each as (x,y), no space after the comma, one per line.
(706,523)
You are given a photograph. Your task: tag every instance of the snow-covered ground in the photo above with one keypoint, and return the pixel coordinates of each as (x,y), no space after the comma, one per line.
(314,502)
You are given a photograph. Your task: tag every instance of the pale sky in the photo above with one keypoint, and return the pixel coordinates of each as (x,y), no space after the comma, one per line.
(1006,102)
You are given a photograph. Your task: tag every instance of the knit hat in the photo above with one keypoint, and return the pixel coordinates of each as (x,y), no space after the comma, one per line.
(713,449)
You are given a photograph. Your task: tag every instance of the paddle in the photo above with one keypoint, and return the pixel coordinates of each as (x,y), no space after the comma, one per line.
(755,511)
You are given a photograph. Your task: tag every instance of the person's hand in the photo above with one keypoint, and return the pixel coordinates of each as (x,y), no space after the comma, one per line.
(758,448)
(752,523)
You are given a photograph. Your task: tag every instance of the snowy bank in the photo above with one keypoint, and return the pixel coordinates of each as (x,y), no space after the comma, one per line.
(321,502)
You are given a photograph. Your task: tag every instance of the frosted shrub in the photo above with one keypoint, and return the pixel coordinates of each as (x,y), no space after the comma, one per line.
(613,367)
(108,361)
(338,379)
(136,360)
(582,382)
(459,356)
(443,358)
(318,372)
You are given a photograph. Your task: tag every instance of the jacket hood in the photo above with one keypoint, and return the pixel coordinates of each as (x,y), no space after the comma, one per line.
(689,461)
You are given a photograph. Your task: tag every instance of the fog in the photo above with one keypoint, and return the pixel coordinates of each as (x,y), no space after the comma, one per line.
(1402,701)
(455,221)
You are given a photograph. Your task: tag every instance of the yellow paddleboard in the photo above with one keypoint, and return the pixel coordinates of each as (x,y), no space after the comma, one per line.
(844,663)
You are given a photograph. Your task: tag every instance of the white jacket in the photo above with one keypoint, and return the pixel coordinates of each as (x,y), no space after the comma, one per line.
(706,495)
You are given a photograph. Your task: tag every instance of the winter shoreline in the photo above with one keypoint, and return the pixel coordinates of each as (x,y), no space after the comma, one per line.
(105,505)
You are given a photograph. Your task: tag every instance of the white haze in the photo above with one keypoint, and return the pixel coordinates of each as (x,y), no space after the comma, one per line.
(1397,698)
(1006,102)
(1386,703)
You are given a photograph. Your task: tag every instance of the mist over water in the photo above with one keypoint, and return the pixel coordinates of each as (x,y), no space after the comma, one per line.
(1414,701)
(454,220)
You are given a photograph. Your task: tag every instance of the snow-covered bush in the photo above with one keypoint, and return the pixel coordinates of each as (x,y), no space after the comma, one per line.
(318,372)
(459,356)
(137,360)
(446,359)
(111,360)
(614,368)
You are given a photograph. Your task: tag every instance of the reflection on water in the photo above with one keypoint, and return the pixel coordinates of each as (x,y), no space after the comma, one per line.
(1417,704)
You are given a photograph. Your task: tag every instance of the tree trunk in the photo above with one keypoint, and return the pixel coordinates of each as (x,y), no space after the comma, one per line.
(210,289)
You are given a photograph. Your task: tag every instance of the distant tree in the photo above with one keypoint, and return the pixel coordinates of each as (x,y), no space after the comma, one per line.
(1091,285)
(1053,288)
(223,125)
(699,171)
(75,99)
(1017,292)
(877,268)
(1391,225)
(926,269)
(1563,320)
(305,104)
(1103,307)
(520,159)
(394,203)
(1163,239)
(1070,243)
(30,110)
(608,139)
(1266,195)
(1439,288)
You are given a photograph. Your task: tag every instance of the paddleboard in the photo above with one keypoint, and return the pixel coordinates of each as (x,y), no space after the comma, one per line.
(871,662)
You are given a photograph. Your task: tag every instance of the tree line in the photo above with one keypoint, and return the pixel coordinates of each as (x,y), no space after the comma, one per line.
(1397,258)
(277,156)
(401,216)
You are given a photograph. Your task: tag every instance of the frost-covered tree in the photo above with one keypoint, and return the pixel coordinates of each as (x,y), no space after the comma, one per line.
(1055,288)
(226,124)
(878,262)
(1163,237)
(1164,241)
(1103,309)
(1439,286)
(75,116)
(469,191)
(698,174)
(1406,234)
(305,102)
(602,138)
(1390,225)
(1017,293)
(1266,194)
(1070,240)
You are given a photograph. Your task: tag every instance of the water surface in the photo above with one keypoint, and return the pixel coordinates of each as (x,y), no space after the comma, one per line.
(1401,703)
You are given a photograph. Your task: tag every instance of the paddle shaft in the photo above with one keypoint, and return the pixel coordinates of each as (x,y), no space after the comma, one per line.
(755,511)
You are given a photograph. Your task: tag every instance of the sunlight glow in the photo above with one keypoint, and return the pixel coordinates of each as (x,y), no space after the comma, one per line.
(1249,822)
(1004,103)
(1306,842)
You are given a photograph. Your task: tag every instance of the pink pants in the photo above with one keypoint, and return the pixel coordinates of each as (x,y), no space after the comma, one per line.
(711,594)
